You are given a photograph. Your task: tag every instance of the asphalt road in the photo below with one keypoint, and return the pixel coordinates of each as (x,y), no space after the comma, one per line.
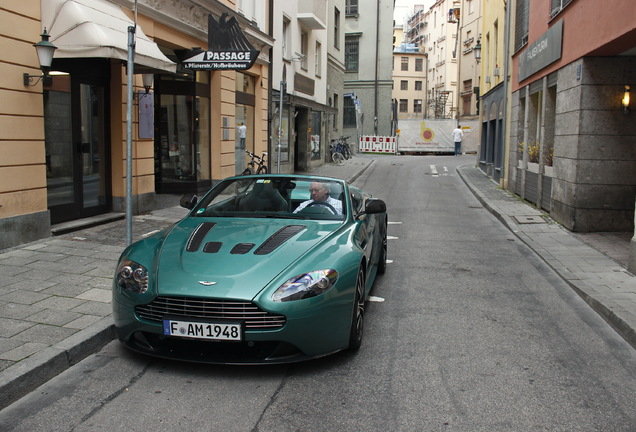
(468,331)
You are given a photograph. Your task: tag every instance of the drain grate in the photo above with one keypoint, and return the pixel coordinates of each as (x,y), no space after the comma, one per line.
(530,219)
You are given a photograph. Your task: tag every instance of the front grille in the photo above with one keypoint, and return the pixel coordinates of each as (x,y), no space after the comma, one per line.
(210,309)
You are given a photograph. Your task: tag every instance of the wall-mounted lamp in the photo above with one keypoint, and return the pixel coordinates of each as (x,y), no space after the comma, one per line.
(626,100)
(477,50)
(45,51)
(147,79)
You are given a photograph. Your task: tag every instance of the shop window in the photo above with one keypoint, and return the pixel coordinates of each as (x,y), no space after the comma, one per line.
(182,147)
(315,134)
(244,120)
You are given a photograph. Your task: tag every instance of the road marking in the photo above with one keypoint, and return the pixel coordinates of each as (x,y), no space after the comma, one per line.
(389,261)
(434,171)
(395,223)
(391,238)
(375,299)
(79,238)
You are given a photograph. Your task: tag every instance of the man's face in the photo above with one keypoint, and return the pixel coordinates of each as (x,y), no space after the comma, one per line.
(318,192)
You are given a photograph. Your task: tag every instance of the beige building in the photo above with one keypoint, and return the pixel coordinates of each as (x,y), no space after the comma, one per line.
(63,140)
(409,78)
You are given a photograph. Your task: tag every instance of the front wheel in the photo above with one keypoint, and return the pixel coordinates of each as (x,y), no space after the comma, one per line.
(357,321)
(337,158)
(262,170)
(247,171)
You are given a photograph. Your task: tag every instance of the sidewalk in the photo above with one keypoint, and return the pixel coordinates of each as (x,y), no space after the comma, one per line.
(55,293)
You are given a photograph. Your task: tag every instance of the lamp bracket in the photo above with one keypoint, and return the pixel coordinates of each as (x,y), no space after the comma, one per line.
(31,80)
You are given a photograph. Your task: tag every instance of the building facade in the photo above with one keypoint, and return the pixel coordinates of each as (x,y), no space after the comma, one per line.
(409,78)
(299,65)
(493,92)
(469,22)
(368,58)
(63,140)
(572,134)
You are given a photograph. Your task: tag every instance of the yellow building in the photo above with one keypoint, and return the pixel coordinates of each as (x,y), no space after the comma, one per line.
(63,139)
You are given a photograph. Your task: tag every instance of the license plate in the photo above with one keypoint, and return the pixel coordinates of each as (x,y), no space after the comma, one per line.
(203,330)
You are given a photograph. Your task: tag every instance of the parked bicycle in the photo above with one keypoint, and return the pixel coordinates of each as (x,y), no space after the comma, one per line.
(256,165)
(345,147)
(336,152)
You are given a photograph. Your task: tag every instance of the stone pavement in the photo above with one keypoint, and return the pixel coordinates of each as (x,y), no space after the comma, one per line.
(55,293)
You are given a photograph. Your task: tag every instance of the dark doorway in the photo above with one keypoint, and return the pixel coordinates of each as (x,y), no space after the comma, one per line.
(77,144)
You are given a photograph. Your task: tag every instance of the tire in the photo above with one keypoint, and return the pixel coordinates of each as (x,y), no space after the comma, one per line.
(262,170)
(346,152)
(337,158)
(357,320)
(382,259)
(247,171)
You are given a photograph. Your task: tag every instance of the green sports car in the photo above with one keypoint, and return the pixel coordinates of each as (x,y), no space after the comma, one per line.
(263,269)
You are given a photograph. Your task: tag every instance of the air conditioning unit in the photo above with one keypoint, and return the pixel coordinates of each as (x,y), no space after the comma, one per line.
(496,72)
(487,79)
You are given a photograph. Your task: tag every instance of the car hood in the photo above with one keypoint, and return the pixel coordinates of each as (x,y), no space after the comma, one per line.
(231,257)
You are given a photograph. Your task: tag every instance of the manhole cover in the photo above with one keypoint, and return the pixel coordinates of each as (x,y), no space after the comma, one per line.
(529,219)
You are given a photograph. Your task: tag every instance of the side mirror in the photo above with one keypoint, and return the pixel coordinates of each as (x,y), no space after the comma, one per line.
(374,206)
(189,201)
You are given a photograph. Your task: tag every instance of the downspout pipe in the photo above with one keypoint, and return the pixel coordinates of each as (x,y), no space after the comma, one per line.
(375,82)
(503,180)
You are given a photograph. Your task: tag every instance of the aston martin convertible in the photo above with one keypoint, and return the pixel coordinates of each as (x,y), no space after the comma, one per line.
(263,269)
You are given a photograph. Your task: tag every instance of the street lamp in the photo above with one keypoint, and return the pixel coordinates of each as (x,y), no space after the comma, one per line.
(477,50)
(45,51)
(147,79)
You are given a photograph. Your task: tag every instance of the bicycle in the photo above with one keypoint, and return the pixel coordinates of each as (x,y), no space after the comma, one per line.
(345,147)
(336,153)
(256,165)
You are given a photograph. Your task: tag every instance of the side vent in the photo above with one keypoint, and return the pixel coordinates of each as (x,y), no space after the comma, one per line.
(212,247)
(195,240)
(280,237)
(242,248)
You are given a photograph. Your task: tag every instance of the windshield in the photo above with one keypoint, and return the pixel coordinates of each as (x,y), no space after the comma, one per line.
(279,197)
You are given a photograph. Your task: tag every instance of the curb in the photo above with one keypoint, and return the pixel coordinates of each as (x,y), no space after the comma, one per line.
(29,374)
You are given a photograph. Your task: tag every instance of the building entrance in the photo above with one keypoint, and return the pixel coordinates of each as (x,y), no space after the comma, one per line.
(77,158)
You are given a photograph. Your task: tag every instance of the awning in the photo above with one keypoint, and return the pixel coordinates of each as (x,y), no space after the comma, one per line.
(98,28)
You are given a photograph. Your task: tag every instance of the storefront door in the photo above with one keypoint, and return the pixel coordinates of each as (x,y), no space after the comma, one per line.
(76,149)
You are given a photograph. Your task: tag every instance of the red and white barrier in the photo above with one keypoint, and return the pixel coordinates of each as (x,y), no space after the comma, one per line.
(377,144)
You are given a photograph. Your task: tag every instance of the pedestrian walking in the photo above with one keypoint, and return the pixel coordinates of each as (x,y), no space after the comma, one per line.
(242,130)
(458,134)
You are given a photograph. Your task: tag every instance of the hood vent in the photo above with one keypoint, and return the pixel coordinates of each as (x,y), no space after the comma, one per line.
(212,247)
(242,248)
(280,237)
(195,240)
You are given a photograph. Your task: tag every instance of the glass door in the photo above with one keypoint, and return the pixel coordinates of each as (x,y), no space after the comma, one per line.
(76,149)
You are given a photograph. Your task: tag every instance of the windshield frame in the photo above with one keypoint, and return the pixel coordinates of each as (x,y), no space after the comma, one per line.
(274,196)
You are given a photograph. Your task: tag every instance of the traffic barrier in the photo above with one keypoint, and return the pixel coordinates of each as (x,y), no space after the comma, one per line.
(377,144)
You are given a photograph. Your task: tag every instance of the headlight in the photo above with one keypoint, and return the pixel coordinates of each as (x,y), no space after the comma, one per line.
(132,276)
(306,285)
